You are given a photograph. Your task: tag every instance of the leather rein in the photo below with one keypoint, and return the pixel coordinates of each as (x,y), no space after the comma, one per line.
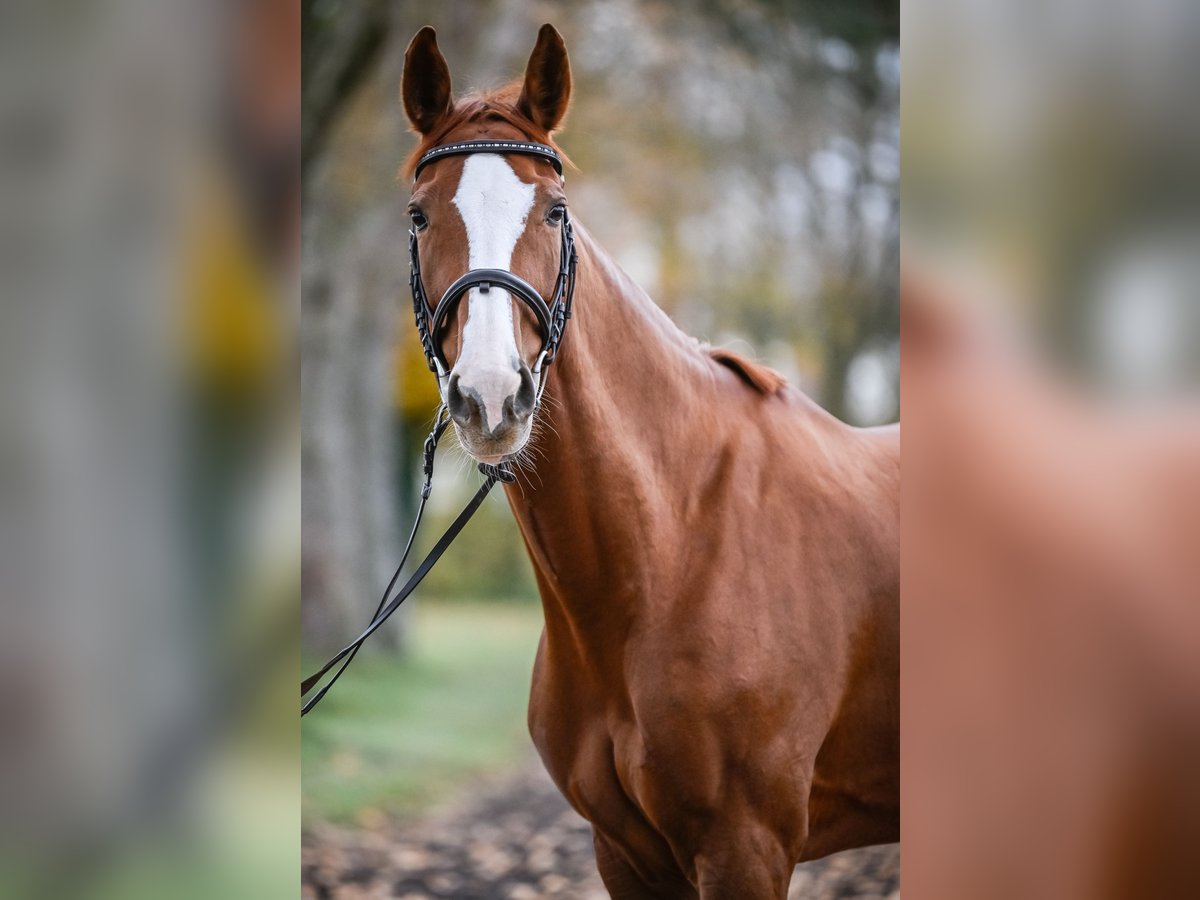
(552,320)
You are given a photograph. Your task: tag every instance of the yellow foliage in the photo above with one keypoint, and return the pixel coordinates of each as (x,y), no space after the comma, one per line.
(414,387)
(232,326)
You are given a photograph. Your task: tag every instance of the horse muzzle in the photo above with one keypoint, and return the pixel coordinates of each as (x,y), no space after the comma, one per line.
(492,409)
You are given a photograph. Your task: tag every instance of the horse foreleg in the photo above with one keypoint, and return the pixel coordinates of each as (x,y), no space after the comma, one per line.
(623,882)
(742,868)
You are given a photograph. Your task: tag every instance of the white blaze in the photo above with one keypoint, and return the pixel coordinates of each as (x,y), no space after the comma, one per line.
(494,204)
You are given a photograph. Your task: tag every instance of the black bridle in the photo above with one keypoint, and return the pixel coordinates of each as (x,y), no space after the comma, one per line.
(552,317)
(552,320)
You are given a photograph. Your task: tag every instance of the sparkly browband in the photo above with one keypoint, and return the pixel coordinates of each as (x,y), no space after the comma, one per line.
(528,148)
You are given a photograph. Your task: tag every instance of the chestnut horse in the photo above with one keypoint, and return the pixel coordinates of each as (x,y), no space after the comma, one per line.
(716,688)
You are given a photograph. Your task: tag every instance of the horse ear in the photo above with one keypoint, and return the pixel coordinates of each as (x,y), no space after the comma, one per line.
(547,89)
(425,87)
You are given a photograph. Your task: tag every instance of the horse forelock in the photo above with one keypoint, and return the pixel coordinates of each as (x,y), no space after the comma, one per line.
(486,108)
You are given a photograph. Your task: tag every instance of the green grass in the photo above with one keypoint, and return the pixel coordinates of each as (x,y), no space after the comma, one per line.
(397,735)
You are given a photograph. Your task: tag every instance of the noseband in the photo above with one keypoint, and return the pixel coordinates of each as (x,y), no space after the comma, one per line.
(551,317)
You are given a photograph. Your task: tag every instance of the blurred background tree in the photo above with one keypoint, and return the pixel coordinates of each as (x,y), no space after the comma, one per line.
(740,159)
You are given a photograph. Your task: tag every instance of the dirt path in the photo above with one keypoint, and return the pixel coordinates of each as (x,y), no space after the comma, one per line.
(518,840)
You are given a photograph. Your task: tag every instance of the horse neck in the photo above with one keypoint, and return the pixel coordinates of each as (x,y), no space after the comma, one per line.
(624,411)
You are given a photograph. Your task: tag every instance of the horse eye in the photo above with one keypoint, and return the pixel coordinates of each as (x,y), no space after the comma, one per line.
(556,214)
(418,219)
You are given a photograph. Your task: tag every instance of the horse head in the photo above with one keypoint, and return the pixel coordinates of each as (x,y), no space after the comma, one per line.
(478,211)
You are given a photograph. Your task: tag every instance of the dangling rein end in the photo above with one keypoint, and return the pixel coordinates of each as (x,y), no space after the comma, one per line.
(345,656)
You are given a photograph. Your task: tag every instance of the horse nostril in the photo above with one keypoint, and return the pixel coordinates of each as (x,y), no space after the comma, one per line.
(526,396)
(473,407)
(457,402)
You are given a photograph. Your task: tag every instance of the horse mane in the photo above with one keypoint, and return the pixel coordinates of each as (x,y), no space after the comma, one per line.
(764,380)
(499,105)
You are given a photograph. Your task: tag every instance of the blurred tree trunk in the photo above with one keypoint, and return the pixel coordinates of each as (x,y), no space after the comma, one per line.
(351,538)
(359,454)
(341,45)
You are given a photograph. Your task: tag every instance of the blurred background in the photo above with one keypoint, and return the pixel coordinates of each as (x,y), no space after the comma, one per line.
(1050,172)
(149,437)
(740,159)
(1050,632)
